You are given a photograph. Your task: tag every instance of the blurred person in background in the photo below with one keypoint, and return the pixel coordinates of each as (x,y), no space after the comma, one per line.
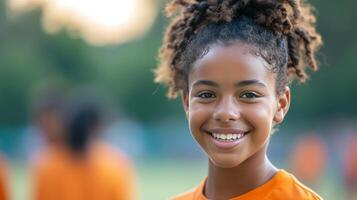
(350,168)
(48,110)
(84,168)
(4,193)
(308,159)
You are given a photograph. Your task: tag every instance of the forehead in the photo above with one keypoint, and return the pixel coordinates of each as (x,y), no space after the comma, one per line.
(231,62)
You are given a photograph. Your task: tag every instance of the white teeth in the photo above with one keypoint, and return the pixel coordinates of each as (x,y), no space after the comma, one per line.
(227,136)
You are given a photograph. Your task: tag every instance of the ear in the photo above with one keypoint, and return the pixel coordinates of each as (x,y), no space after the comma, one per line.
(282,106)
(185,102)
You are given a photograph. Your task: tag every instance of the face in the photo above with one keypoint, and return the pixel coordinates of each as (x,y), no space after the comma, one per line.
(232,104)
(51,125)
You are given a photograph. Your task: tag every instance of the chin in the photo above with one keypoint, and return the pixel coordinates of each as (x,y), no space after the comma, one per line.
(225,161)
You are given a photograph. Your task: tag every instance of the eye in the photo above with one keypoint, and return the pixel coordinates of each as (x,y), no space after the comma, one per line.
(206,95)
(249,95)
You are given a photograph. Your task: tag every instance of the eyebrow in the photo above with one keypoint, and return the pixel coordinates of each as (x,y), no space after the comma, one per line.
(204,82)
(250,82)
(238,84)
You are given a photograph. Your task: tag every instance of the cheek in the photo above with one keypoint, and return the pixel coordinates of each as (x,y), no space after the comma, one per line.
(260,116)
(197,115)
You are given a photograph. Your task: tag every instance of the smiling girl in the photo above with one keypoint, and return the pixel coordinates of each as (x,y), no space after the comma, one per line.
(232,62)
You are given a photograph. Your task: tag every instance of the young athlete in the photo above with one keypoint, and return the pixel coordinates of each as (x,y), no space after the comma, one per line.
(83,167)
(232,62)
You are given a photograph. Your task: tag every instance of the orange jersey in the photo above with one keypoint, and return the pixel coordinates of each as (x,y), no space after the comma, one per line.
(281,187)
(104,174)
(3,186)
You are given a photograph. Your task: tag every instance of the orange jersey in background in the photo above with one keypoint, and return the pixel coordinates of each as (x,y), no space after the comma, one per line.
(104,174)
(4,195)
(281,187)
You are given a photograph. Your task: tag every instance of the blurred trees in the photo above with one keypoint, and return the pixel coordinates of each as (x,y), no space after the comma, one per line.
(29,57)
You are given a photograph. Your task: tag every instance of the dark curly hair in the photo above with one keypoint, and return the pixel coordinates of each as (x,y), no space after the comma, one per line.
(280,31)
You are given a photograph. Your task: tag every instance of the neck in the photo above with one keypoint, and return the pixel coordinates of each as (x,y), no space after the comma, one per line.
(225,183)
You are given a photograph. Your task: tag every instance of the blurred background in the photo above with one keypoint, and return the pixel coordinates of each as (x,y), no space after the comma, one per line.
(112,46)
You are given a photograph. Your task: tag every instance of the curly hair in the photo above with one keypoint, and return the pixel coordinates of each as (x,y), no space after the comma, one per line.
(281,31)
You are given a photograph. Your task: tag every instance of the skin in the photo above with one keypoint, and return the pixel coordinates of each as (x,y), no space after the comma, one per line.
(51,125)
(232,90)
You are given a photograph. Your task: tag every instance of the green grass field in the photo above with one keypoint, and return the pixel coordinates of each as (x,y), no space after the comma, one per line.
(159,180)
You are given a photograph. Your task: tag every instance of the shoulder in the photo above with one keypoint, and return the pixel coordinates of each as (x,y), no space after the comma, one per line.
(110,156)
(111,163)
(292,188)
(47,162)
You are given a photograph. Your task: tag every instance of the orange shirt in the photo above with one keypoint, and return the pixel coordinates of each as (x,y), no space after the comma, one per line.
(3,187)
(105,174)
(282,186)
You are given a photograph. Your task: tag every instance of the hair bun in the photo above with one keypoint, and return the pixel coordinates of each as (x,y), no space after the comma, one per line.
(292,19)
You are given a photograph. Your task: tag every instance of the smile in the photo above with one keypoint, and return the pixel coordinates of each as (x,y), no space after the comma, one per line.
(227,137)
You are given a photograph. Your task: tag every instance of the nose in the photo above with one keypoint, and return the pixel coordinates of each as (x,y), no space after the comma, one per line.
(227,111)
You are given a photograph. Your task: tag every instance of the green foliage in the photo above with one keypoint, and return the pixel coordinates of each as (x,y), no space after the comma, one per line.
(29,57)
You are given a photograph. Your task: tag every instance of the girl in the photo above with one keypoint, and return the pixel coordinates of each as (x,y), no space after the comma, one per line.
(232,62)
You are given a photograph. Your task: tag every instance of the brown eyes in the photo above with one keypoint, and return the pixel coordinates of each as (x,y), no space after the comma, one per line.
(206,95)
(249,95)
